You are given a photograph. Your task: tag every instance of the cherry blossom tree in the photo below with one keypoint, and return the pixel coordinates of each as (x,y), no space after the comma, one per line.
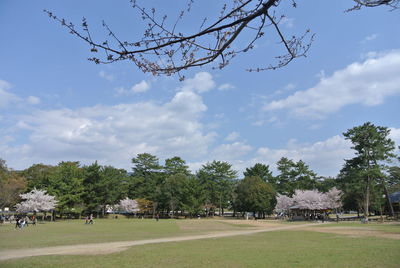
(166,48)
(332,199)
(36,200)
(128,205)
(310,200)
(283,202)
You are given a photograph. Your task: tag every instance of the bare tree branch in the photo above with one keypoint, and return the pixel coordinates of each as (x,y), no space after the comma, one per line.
(165,50)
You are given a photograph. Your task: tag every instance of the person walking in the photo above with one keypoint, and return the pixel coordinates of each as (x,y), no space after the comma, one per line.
(17,223)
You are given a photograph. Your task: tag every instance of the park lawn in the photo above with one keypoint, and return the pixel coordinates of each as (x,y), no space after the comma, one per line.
(272,249)
(387,227)
(107,230)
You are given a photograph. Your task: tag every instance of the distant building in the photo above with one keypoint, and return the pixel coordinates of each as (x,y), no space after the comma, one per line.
(395,200)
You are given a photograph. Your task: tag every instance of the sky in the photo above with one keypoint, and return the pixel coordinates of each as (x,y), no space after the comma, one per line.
(55,105)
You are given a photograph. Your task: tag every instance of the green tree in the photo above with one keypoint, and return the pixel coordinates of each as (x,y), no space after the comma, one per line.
(39,176)
(115,181)
(176,165)
(255,195)
(175,190)
(145,164)
(393,179)
(104,185)
(66,183)
(194,197)
(350,182)
(373,148)
(262,171)
(294,176)
(147,180)
(324,184)
(217,181)
(92,187)
(12,184)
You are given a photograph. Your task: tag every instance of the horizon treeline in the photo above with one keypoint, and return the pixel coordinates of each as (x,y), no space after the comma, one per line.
(365,180)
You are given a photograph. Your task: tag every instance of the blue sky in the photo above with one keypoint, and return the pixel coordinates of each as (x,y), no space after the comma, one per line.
(57,106)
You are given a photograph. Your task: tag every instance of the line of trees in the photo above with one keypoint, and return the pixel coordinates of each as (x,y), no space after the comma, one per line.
(171,188)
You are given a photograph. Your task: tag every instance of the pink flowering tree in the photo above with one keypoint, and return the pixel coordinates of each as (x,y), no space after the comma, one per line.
(128,205)
(36,201)
(332,199)
(283,203)
(309,199)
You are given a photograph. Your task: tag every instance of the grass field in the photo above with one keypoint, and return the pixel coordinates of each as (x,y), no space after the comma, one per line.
(76,232)
(294,248)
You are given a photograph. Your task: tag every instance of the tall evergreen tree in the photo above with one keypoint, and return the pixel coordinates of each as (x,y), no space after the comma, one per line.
(262,171)
(217,180)
(373,148)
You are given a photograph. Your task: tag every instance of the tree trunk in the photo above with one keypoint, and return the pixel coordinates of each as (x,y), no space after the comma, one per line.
(366,200)
(103,211)
(391,210)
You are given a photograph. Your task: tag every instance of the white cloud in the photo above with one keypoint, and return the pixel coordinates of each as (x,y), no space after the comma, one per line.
(113,134)
(367,83)
(6,98)
(108,77)
(232,136)
(226,86)
(290,86)
(287,22)
(370,38)
(325,157)
(233,151)
(33,100)
(143,86)
(201,82)
(395,135)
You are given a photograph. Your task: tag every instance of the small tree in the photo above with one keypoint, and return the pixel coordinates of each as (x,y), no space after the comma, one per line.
(128,205)
(255,195)
(36,200)
(332,199)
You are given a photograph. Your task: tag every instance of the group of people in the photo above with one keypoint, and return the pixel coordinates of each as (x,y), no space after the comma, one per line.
(89,219)
(21,222)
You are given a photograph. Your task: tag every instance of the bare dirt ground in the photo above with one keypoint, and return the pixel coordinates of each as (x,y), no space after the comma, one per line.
(256,227)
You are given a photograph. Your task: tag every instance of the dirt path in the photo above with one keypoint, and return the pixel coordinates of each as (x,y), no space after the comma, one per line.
(110,247)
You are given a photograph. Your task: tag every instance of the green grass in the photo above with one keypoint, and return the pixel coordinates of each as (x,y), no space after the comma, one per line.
(384,227)
(273,249)
(76,232)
